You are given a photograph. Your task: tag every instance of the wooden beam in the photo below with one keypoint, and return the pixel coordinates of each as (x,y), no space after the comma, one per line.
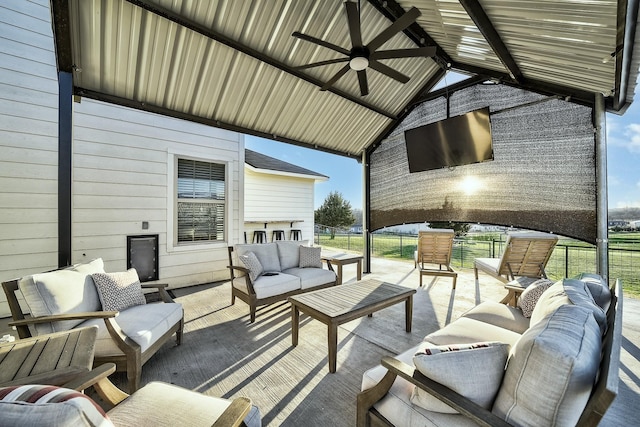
(62,35)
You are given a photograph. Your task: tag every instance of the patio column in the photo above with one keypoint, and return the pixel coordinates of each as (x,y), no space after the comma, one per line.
(65,142)
(602,206)
(366,213)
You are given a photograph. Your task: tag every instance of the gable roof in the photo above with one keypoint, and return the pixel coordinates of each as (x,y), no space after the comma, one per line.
(233,63)
(263,162)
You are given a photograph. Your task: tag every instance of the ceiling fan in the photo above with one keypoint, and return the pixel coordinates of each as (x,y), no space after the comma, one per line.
(361,56)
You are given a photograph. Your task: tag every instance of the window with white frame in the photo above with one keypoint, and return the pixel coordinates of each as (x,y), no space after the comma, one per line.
(201,201)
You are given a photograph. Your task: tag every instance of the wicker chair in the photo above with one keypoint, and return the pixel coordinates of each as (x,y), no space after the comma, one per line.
(434,253)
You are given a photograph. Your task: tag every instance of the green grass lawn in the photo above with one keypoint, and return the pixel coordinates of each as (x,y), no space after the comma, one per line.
(569,258)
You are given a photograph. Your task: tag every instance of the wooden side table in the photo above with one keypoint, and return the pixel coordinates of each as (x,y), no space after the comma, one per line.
(339,260)
(52,359)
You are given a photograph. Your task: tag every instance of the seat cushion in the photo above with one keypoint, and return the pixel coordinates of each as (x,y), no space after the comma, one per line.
(397,407)
(489,265)
(311,277)
(71,290)
(497,314)
(467,331)
(144,324)
(268,286)
(267,254)
(49,406)
(160,404)
(551,370)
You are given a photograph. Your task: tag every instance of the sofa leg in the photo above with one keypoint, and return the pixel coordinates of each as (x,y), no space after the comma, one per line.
(179,332)
(133,377)
(233,299)
(252,314)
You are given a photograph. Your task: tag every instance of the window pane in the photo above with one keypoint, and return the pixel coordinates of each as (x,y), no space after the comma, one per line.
(200,221)
(203,218)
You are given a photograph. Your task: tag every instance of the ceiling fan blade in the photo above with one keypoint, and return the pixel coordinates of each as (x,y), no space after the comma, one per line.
(317,64)
(388,71)
(400,24)
(353,17)
(321,43)
(404,53)
(364,85)
(335,77)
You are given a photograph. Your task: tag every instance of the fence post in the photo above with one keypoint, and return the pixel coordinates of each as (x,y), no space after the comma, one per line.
(401,246)
(461,253)
(348,241)
(566,261)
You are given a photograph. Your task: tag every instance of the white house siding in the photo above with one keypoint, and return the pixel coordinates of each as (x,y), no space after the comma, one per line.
(272,196)
(122,173)
(28,142)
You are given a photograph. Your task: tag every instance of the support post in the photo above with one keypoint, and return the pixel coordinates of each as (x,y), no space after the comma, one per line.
(366,212)
(65,154)
(602,208)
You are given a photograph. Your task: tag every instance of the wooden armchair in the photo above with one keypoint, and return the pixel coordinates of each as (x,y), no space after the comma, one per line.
(434,252)
(127,338)
(156,404)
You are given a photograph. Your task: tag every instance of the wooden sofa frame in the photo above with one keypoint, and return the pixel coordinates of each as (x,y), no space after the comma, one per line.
(133,358)
(602,395)
(250,297)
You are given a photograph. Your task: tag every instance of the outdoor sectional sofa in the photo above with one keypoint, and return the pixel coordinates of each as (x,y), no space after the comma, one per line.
(278,270)
(561,363)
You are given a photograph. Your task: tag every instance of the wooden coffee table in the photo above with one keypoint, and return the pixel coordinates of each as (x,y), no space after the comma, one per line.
(340,304)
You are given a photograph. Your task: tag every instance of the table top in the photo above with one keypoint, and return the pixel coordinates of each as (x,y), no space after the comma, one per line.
(351,300)
(341,257)
(48,359)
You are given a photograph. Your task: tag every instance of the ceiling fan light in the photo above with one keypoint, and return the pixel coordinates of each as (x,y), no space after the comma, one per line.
(358,63)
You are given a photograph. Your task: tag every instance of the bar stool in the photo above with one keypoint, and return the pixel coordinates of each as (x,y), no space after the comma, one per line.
(295,234)
(259,236)
(277,235)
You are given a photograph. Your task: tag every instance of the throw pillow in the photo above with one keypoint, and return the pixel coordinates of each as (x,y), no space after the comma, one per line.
(119,291)
(473,370)
(531,294)
(49,405)
(310,256)
(250,260)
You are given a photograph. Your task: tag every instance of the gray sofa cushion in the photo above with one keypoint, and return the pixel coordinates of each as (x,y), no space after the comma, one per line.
(267,254)
(310,277)
(467,331)
(289,253)
(268,286)
(598,288)
(119,291)
(498,314)
(60,292)
(551,370)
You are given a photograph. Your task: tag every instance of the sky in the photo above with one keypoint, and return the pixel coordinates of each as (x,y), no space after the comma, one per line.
(345,174)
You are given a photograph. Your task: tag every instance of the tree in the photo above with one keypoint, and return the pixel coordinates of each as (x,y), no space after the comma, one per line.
(460,228)
(334,212)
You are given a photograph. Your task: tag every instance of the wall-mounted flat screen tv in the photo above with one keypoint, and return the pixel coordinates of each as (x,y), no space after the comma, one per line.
(455,141)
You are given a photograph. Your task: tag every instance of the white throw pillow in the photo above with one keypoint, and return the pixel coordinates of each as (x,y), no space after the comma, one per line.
(529,297)
(473,370)
(250,260)
(310,256)
(119,291)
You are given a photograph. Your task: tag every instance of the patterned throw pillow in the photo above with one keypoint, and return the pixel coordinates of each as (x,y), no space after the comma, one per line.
(118,291)
(473,370)
(49,405)
(251,261)
(310,256)
(530,296)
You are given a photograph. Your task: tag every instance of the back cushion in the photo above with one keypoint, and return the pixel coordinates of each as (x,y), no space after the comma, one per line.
(551,370)
(62,291)
(598,287)
(267,254)
(289,253)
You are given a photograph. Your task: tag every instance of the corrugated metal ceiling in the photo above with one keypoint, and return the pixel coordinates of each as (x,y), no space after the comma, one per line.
(231,63)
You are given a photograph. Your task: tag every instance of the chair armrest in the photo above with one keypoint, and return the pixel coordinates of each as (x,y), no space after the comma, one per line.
(89,378)
(68,316)
(235,413)
(162,291)
(247,278)
(237,267)
(460,403)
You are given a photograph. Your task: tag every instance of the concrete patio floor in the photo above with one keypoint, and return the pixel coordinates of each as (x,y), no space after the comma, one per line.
(436,305)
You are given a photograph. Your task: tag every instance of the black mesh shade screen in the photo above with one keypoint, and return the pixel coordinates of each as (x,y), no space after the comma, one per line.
(543,176)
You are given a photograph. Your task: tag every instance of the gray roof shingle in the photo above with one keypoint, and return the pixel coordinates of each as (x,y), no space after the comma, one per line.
(262,161)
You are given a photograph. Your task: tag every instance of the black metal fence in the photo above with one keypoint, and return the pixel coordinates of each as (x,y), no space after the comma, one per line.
(569,258)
